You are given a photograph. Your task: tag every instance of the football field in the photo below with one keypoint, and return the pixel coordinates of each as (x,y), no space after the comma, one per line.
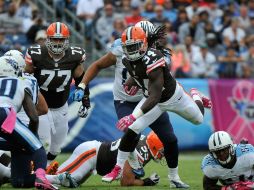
(189,169)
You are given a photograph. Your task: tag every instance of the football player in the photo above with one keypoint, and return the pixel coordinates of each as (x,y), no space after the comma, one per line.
(231,164)
(162,93)
(126,99)
(54,65)
(15,93)
(94,156)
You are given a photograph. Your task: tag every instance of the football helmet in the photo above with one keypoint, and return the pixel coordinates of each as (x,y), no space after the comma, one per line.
(19,58)
(9,66)
(219,143)
(155,146)
(57,37)
(134,43)
(147,26)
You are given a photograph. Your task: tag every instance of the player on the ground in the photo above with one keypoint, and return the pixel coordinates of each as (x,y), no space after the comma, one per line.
(97,156)
(54,65)
(125,100)
(162,93)
(230,164)
(15,93)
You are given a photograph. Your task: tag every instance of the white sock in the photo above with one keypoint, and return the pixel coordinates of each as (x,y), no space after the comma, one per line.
(173,173)
(133,160)
(121,158)
(5,171)
(53,179)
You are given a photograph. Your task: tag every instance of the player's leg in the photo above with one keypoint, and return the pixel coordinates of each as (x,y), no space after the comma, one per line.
(79,165)
(164,130)
(59,132)
(44,129)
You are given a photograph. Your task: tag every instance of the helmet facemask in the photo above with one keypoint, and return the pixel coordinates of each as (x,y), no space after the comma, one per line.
(224,155)
(57,45)
(158,155)
(134,50)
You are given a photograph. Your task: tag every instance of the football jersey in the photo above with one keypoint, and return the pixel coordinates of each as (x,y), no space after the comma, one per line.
(54,77)
(31,81)
(121,75)
(107,155)
(242,170)
(140,70)
(12,92)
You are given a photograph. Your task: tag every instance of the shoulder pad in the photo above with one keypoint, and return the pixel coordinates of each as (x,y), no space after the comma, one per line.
(242,149)
(153,59)
(116,48)
(208,160)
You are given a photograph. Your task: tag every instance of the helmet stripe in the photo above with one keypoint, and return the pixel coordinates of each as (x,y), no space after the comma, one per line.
(214,143)
(129,33)
(219,139)
(58,28)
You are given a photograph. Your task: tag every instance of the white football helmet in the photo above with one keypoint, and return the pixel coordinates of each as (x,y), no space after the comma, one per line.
(19,58)
(147,26)
(9,66)
(221,140)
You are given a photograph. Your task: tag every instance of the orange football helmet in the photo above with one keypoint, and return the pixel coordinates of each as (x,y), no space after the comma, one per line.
(134,43)
(155,146)
(57,37)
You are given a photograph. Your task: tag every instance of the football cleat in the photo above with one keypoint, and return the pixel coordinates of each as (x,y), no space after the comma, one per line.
(41,181)
(207,103)
(52,168)
(115,174)
(139,172)
(67,180)
(178,184)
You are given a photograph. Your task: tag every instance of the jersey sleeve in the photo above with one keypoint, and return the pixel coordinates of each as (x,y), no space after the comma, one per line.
(153,60)
(83,57)
(31,86)
(116,48)
(208,167)
(28,58)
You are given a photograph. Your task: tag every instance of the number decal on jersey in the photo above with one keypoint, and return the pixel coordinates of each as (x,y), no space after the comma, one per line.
(114,145)
(36,49)
(75,50)
(8,87)
(147,59)
(151,53)
(144,152)
(51,74)
(124,75)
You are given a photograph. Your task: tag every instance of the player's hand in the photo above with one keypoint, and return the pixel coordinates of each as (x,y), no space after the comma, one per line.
(83,109)
(152,180)
(242,185)
(78,94)
(130,90)
(125,122)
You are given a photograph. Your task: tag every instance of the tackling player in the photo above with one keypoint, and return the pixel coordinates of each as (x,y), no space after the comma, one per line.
(126,99)
(162,93)
(14,94)
(93,156)
(54,65)
(231,164)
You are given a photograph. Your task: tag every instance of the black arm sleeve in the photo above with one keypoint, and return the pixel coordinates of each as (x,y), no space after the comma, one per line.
(210,184)
(79,79)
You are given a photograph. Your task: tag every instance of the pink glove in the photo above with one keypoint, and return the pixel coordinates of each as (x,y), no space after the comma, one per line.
(131,91)
(242,185)
(125,122)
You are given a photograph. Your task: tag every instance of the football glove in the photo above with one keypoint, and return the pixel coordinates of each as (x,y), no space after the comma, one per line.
(125,122)
(152,180)
(130,90)
(78,94)
(242,185)
(83,109)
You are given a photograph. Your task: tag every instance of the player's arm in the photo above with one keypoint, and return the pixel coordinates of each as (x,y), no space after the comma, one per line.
(42,106)
(29,68)
(210,184)
(31,112)
(156,81)
(128,178)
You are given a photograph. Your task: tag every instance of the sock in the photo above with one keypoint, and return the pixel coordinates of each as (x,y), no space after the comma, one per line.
(40,159)
(121,158)
(5,171)
(53,179)
(173,174)
(133,160)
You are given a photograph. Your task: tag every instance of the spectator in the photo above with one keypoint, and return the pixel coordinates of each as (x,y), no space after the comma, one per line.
(104,25)
(181,19)
(10,22)
(192,9)
(191,49)
(40,37)
(148,12)
(119,27)
(248,67)
(251,7)
(203,63)
(169,11)
(203,17)
(194,29)
(223,22)
(214,12)
(171,34)
(244,21)
(39,24)
(125,8)
(234,32)
(135,16)
(229,64)
(24,9)
(5,44)
(213,46)
(250,30)
(159,19)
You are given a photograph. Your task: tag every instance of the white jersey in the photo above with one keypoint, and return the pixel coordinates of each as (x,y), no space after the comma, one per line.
(243,168)
(30,81)
(121,75)
(12,92)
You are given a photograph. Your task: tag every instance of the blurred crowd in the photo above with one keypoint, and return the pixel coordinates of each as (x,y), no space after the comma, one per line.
(208,38)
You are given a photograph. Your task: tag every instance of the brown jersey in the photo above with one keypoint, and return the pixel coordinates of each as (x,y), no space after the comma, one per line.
(54,77)
(107,154)
(140,70)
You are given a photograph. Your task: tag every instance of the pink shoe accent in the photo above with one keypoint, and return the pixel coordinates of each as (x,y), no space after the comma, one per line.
(207,103)
(10,121)
(113,175)
(41,181)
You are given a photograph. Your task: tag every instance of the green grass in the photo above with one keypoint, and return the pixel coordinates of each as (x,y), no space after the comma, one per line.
(189,169)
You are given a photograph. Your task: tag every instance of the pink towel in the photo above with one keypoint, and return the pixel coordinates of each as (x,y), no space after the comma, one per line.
(10,121)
